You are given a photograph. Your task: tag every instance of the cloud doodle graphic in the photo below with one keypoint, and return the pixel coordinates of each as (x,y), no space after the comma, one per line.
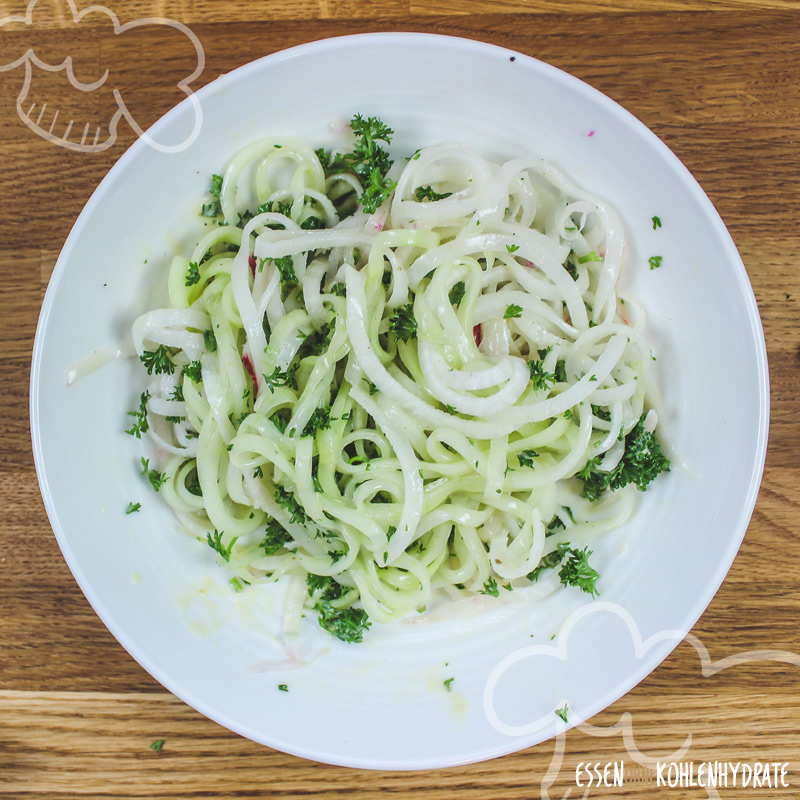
(58,112)
(624,726)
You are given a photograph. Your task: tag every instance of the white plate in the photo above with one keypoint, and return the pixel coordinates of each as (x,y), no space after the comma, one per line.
(383,704)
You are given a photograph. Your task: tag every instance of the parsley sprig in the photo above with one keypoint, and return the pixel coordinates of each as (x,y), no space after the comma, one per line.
(403,323)
(275,538)
(158,361)
(575,571)
(192,274)
(288,501)
(141,425)
(320,420)
(642,461)
(347,624)
(157,479)
(280,377)
(456,294)
(427,193)
(217,545)
(368,160)
(526,457)
(213,208)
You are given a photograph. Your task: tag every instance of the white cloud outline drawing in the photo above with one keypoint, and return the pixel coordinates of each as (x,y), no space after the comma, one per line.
(624,725)
(560,651)
(30,59)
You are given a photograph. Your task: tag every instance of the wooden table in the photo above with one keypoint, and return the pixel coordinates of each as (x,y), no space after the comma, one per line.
(719,82)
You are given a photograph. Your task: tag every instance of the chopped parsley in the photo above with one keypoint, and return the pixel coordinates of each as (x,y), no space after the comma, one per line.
(403,323)
(157,745)
(210,340)
(490,587)
(132,508)
(214,208)
(338,289)
(457,293)
(285,267)
(562,712)
(194,371)
(158,361)
(281,377)
(427,193)
(656,222)
(548,561)
(282,687)
(555,524)
(157,479)
(275,538)
(141,425)
(287,501)
(347,624)
(512,248)
(368,160)
(575,571)
(541,379)
(526,457)
(448,684)
(318,341)
(193,484)
(279,422)
(192,274)
(655,261)
(642,461)
(320,420)
(513,311)
(217,545)
(590,256)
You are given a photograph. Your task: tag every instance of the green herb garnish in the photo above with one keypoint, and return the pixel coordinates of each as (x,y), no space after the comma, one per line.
(157,479)
(276,537)
(194,371)
(457,293)
(403,323)
(427,193)
(642,461)
(158,361)
(217,545)
(526,457)
(141,425)
(192,274)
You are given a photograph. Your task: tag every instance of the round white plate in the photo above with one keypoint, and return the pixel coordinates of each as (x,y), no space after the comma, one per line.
(384,704)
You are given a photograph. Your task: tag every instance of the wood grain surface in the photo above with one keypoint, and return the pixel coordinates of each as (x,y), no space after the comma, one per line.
(719,82)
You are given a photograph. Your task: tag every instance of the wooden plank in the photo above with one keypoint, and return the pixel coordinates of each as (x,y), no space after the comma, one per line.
(89,745)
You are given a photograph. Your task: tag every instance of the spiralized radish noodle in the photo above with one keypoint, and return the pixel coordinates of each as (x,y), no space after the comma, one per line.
(397,400)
